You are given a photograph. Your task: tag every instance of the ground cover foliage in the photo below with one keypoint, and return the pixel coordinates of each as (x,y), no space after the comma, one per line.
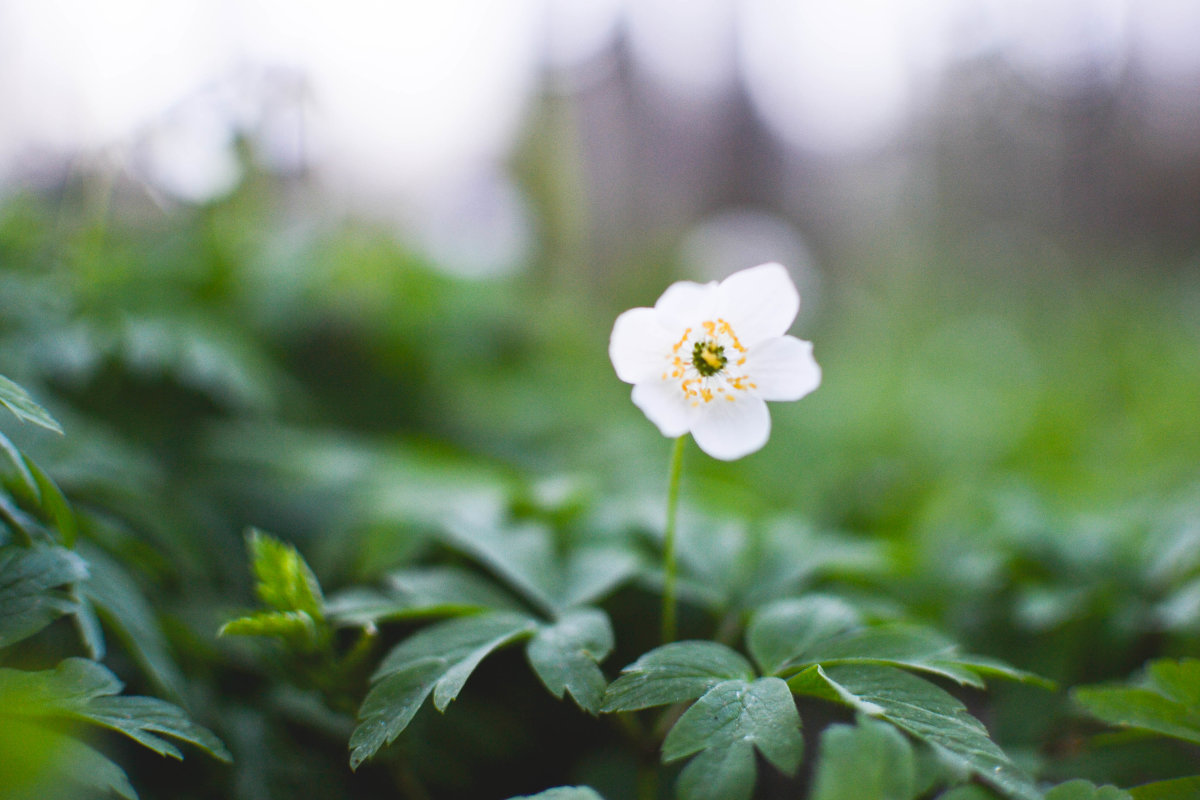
(293,505)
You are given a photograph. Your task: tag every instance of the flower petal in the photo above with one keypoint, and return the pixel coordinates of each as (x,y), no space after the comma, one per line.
(783,368)
(760,302)
(639,345)
(686,303)
(665,405)
(730,430)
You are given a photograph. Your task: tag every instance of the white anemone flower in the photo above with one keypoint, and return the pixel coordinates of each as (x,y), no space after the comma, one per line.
(708,356)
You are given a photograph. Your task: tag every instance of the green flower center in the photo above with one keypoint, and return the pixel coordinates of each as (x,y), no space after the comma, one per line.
(708,358)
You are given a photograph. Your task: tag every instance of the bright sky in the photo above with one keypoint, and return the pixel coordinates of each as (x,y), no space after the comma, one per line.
(400,96)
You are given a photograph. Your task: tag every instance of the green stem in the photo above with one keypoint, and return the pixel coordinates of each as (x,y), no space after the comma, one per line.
(647,780)
(669,565)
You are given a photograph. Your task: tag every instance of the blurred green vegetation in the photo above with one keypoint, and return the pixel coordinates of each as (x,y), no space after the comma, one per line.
(1008,451)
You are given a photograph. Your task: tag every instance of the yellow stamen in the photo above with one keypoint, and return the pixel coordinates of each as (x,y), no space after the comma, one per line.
(727,329)
(711,358)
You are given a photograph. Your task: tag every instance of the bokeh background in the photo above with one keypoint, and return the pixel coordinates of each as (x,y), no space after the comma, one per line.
(331,269)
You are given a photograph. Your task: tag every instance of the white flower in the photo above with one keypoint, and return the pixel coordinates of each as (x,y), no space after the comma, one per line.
(706,358)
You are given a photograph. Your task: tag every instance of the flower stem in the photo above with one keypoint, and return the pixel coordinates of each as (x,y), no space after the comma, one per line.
(669,566)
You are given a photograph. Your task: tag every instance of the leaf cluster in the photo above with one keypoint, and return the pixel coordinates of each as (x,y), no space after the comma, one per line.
(46,574)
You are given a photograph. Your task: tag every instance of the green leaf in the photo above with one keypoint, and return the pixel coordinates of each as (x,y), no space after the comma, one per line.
(725,726)
(781,631)
(723,773)
(419,593)
(297,628)
(81,766)
(867,760)
(14,397)
(993,668)
(562,793)
(1086,790)
(87,624)
(673,673)
(127,613)
(968,792)
(141,718)
(78,689)
(789,635)
(38,761)
(526,559)
(1178,680)
(36,492)
(53,504)
(591,573)
(923,710)
(890,645)
(1167,703)
(437,660)
(16,475)
(566,656)
(522,557)
(30,593)
(1177,789)
(285,581)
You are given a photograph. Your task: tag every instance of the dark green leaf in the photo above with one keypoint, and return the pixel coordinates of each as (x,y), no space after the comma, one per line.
(140,718)
(14,469)
(522,557)
(790,635)
(992,668)
(780,631)
(418,593)
(739,716)
(84,767)
(922,710)
(673,673)
(87,624)
(127,613)
(14,397)
(725,726)
(723,773)
(1177,789)
(34,491)
(1167,703)
(1141,708)
(590,573)
(1085,790)
(437,660)
(30,594)
(891,645)
(526,559)
(84,690)
(871,759)
(567,653)
(53,504)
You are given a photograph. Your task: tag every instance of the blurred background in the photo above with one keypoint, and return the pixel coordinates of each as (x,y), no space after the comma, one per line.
(418,220)
(337,270)
(848,122)
(421,218)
